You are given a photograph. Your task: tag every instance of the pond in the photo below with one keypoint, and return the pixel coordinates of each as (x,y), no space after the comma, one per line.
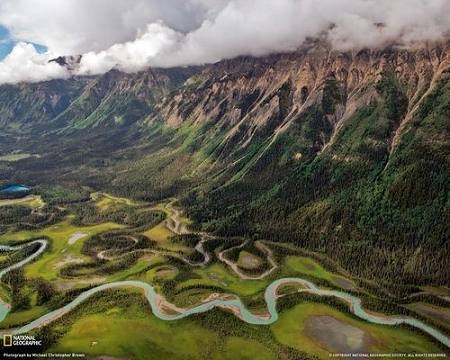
(13,190)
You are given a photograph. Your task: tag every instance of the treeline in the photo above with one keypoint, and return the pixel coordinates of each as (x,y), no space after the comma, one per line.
(13,257)
(16,218)
(87,213)
(381,215)
(22,288)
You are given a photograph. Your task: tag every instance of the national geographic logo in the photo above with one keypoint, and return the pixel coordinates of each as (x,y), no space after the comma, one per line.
(7,340)
(20,340)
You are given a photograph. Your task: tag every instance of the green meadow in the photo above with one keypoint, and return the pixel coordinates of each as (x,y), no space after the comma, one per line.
(290,330)
(121,325)
(218,275)
(129,329)
(309,267)
(32,201)
(122,333)
(48,264)
(105,202)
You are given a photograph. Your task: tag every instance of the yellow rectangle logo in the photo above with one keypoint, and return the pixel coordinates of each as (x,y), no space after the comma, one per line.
(7,340)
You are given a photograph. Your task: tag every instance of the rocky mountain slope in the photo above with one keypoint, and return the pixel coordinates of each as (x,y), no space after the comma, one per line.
(308,97)
(341,152)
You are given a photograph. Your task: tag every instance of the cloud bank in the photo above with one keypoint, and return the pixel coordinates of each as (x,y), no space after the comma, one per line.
(132,35)
(24,64)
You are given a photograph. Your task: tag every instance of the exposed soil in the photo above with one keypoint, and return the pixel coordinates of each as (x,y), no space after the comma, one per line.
(249,261)
(337,336)
(75,237)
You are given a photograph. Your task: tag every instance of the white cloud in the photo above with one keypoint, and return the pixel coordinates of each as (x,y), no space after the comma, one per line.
(79,26)
(133,34)
(25,64)
(134,55)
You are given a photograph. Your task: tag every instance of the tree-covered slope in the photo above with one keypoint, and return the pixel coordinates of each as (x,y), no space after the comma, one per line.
(341,152)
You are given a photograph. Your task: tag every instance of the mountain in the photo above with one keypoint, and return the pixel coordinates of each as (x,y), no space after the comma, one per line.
(69,62)
(345,153)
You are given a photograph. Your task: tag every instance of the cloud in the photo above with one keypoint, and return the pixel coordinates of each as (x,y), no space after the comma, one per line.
(79,26)
(134,55)
(134,34)
(25,64)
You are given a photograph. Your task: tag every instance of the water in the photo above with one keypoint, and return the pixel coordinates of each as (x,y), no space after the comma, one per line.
(235,304)
(4,307)
(15,188)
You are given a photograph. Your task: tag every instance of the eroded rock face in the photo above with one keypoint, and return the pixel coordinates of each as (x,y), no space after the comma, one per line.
(251,98)
(247,97)
(306,98)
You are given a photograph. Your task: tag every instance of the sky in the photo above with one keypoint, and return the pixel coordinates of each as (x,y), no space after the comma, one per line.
(7,43)
(131,35)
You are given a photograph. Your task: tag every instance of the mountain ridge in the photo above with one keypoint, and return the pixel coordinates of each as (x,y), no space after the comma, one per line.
(332,151)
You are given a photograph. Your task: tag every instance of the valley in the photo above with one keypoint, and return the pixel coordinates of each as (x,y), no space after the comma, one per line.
(288,206)
(98,276)
(318,148)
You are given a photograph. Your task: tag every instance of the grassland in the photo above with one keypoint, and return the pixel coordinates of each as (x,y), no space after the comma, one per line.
(307,266)
(127,328)
(22,317)
(106,201)
(32,201)
(244,349)
(218,275)
(162,234)
(135,271)
(290,330)
(47,266)
(249,261)
(133,332)
(159,233)
(158,270)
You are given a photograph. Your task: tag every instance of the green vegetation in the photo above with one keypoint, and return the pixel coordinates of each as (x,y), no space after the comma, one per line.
(361,202)
(29,213)
(23,317)
(32,201)
(217,275)
(57,194)
(248,261)
(98,327)
(106,201)
(352,174)
(290,330)
(47,266)
(104,334)
(237,348)
(127,328)
(131,272)
(307,266)
(159,233)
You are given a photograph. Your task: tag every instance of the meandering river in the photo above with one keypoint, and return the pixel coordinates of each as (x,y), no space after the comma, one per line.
(234,304)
